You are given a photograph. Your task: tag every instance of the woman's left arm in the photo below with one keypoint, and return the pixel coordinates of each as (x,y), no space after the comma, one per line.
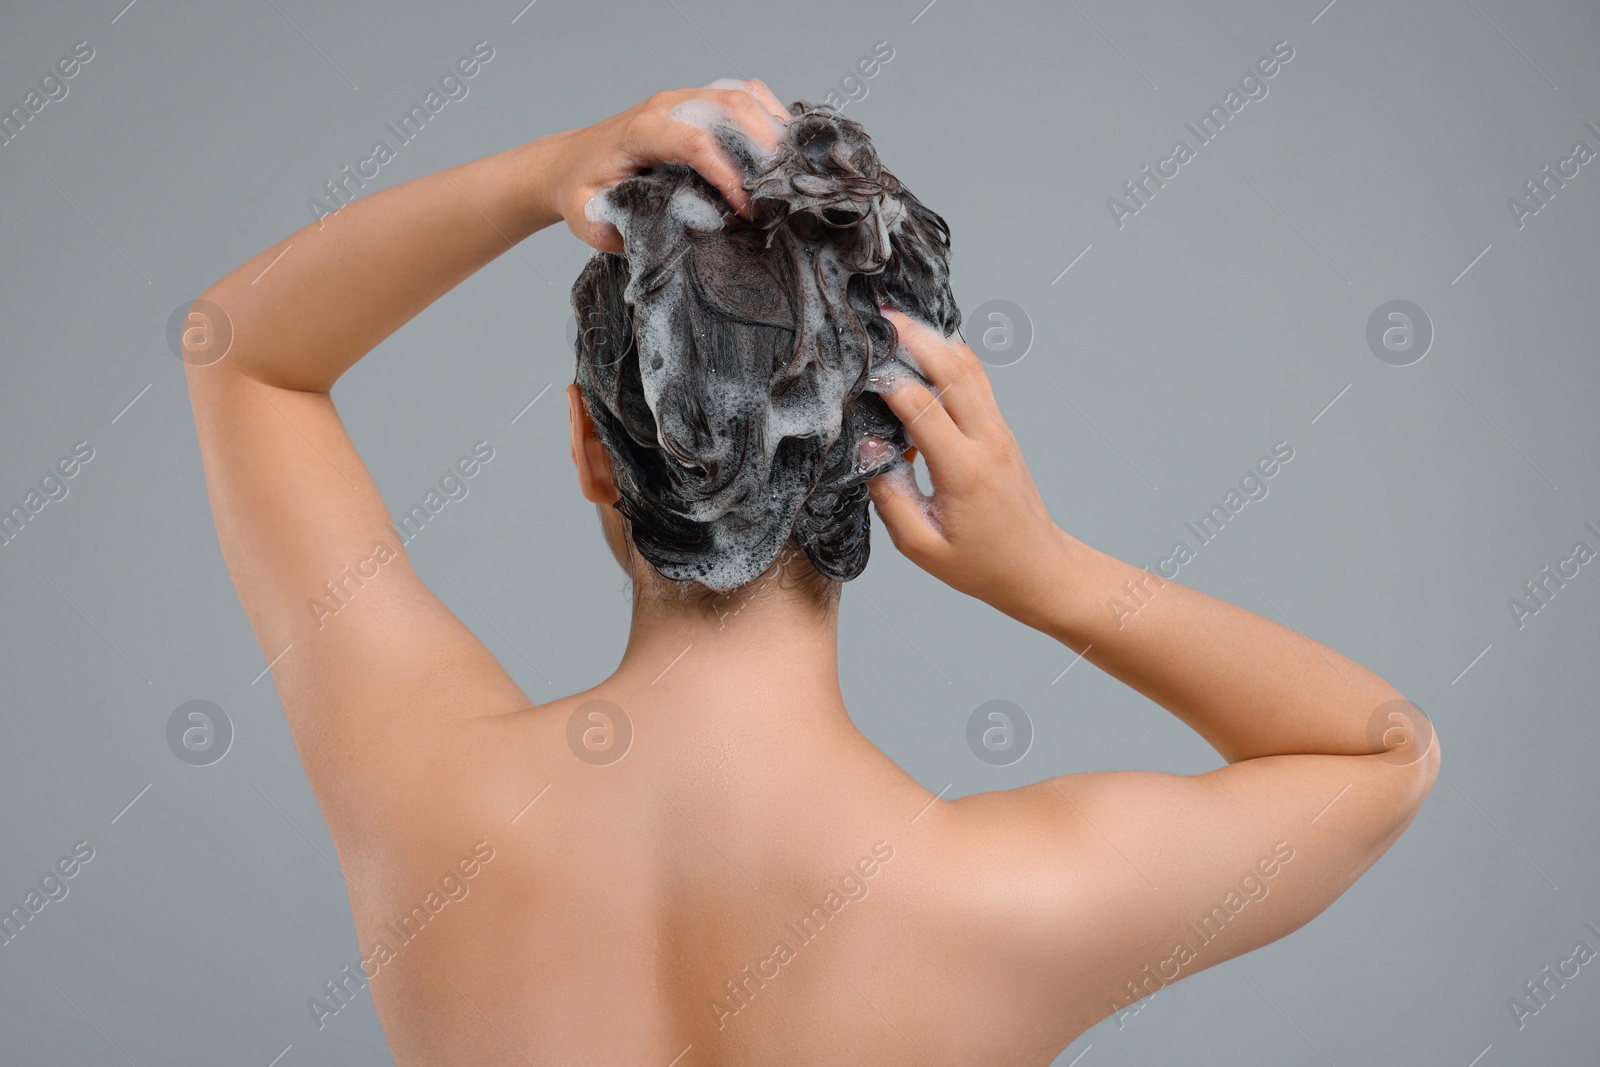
(357,642)
(304,310)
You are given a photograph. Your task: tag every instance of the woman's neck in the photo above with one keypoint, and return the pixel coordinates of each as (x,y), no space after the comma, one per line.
(760,646)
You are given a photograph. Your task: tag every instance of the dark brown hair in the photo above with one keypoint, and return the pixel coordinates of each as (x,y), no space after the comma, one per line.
(732,367)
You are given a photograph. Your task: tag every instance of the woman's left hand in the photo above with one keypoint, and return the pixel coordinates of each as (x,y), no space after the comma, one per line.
(577,164)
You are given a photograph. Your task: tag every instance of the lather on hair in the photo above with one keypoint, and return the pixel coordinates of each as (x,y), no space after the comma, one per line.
(732,367)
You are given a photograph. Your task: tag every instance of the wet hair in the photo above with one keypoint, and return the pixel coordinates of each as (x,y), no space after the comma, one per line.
(733,367)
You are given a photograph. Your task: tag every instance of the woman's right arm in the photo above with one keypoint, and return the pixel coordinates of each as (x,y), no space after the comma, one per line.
(1247,685)
(1326,762)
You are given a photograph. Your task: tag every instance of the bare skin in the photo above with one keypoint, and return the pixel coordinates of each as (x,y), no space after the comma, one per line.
(630,912)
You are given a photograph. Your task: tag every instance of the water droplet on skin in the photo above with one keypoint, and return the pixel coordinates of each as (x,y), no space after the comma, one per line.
(873,452)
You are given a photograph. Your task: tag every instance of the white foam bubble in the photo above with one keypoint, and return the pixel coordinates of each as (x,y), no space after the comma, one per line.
(708,115)
(701,113)
(694,211)
(599,209)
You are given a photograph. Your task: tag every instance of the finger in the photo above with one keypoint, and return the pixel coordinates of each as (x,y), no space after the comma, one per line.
(758,89)
(903,507)
(929,427)
(953,370)
(667,139)
(768,99)
(693,120)
(738,106)
(601,235)
(753,117)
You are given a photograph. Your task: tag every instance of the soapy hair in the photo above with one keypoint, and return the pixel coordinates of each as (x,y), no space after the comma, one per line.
(733,367)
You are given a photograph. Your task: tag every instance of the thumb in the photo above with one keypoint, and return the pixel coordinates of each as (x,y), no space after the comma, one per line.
(902,506)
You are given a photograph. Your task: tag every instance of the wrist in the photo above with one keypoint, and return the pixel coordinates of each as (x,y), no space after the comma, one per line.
(537,167)
(1056,603)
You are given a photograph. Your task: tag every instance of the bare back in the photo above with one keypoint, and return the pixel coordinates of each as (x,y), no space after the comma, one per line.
(738,905)
(734,900)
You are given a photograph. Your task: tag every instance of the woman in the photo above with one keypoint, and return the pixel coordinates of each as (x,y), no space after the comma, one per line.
(700,860)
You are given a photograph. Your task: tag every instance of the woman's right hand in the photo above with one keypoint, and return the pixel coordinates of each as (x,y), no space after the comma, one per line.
(985,530)
(579,163)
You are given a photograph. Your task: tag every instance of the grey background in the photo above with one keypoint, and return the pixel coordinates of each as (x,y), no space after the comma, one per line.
(1227,315)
